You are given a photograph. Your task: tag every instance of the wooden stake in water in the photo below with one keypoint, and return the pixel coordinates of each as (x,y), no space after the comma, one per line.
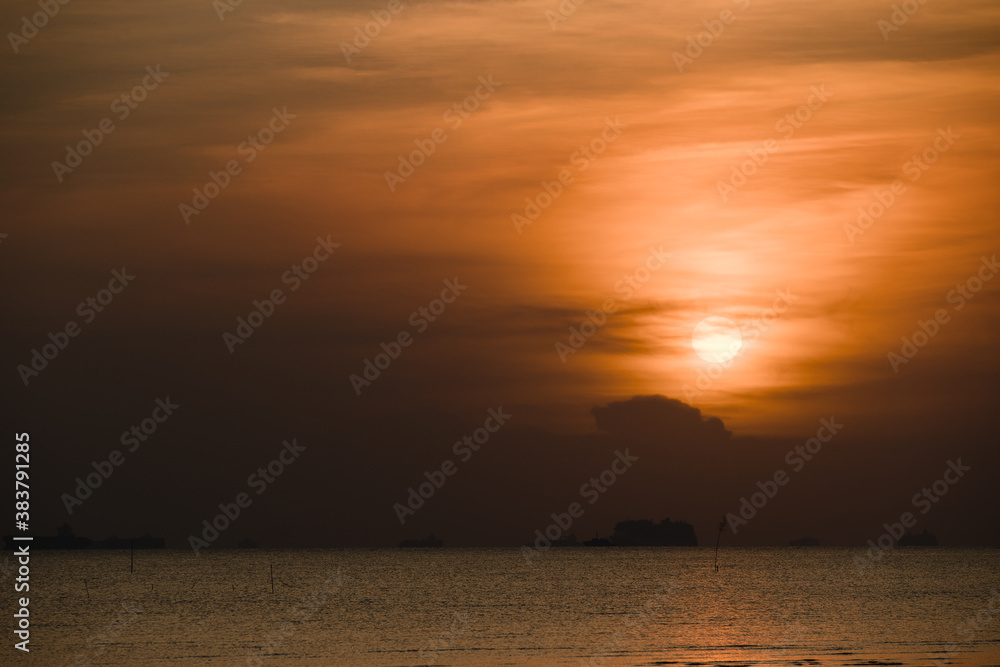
(272,578)
(87,587)
(722,527)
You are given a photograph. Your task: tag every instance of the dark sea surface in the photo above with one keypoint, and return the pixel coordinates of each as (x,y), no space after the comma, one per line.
(569,606)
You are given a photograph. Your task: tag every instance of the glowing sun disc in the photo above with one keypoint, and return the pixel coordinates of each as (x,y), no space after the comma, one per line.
(716,339)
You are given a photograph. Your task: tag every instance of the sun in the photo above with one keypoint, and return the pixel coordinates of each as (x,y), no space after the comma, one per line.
(716,339)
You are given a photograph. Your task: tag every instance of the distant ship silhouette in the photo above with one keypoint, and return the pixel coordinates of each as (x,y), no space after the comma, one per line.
(924,539)
(645,533)
(428,542)
(598,541)
(568,541)
(65,539)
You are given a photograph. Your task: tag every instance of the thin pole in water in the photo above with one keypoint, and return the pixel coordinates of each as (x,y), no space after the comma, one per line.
(722,527)
(272,578)
(87,587)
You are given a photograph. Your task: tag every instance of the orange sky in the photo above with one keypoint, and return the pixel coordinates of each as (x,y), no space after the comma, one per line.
(656,185)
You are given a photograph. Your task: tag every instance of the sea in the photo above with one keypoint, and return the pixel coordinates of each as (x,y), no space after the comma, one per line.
(566,606)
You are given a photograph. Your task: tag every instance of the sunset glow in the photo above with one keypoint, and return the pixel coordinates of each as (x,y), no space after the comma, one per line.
(462,256)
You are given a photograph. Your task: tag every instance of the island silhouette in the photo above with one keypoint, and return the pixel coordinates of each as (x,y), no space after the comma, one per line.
(639,533)
(646,533)
(66,539)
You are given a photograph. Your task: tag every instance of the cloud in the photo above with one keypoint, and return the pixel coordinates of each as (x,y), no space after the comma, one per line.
(657,184)
(659,417)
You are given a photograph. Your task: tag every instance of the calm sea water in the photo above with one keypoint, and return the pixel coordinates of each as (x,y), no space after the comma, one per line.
(488,607)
